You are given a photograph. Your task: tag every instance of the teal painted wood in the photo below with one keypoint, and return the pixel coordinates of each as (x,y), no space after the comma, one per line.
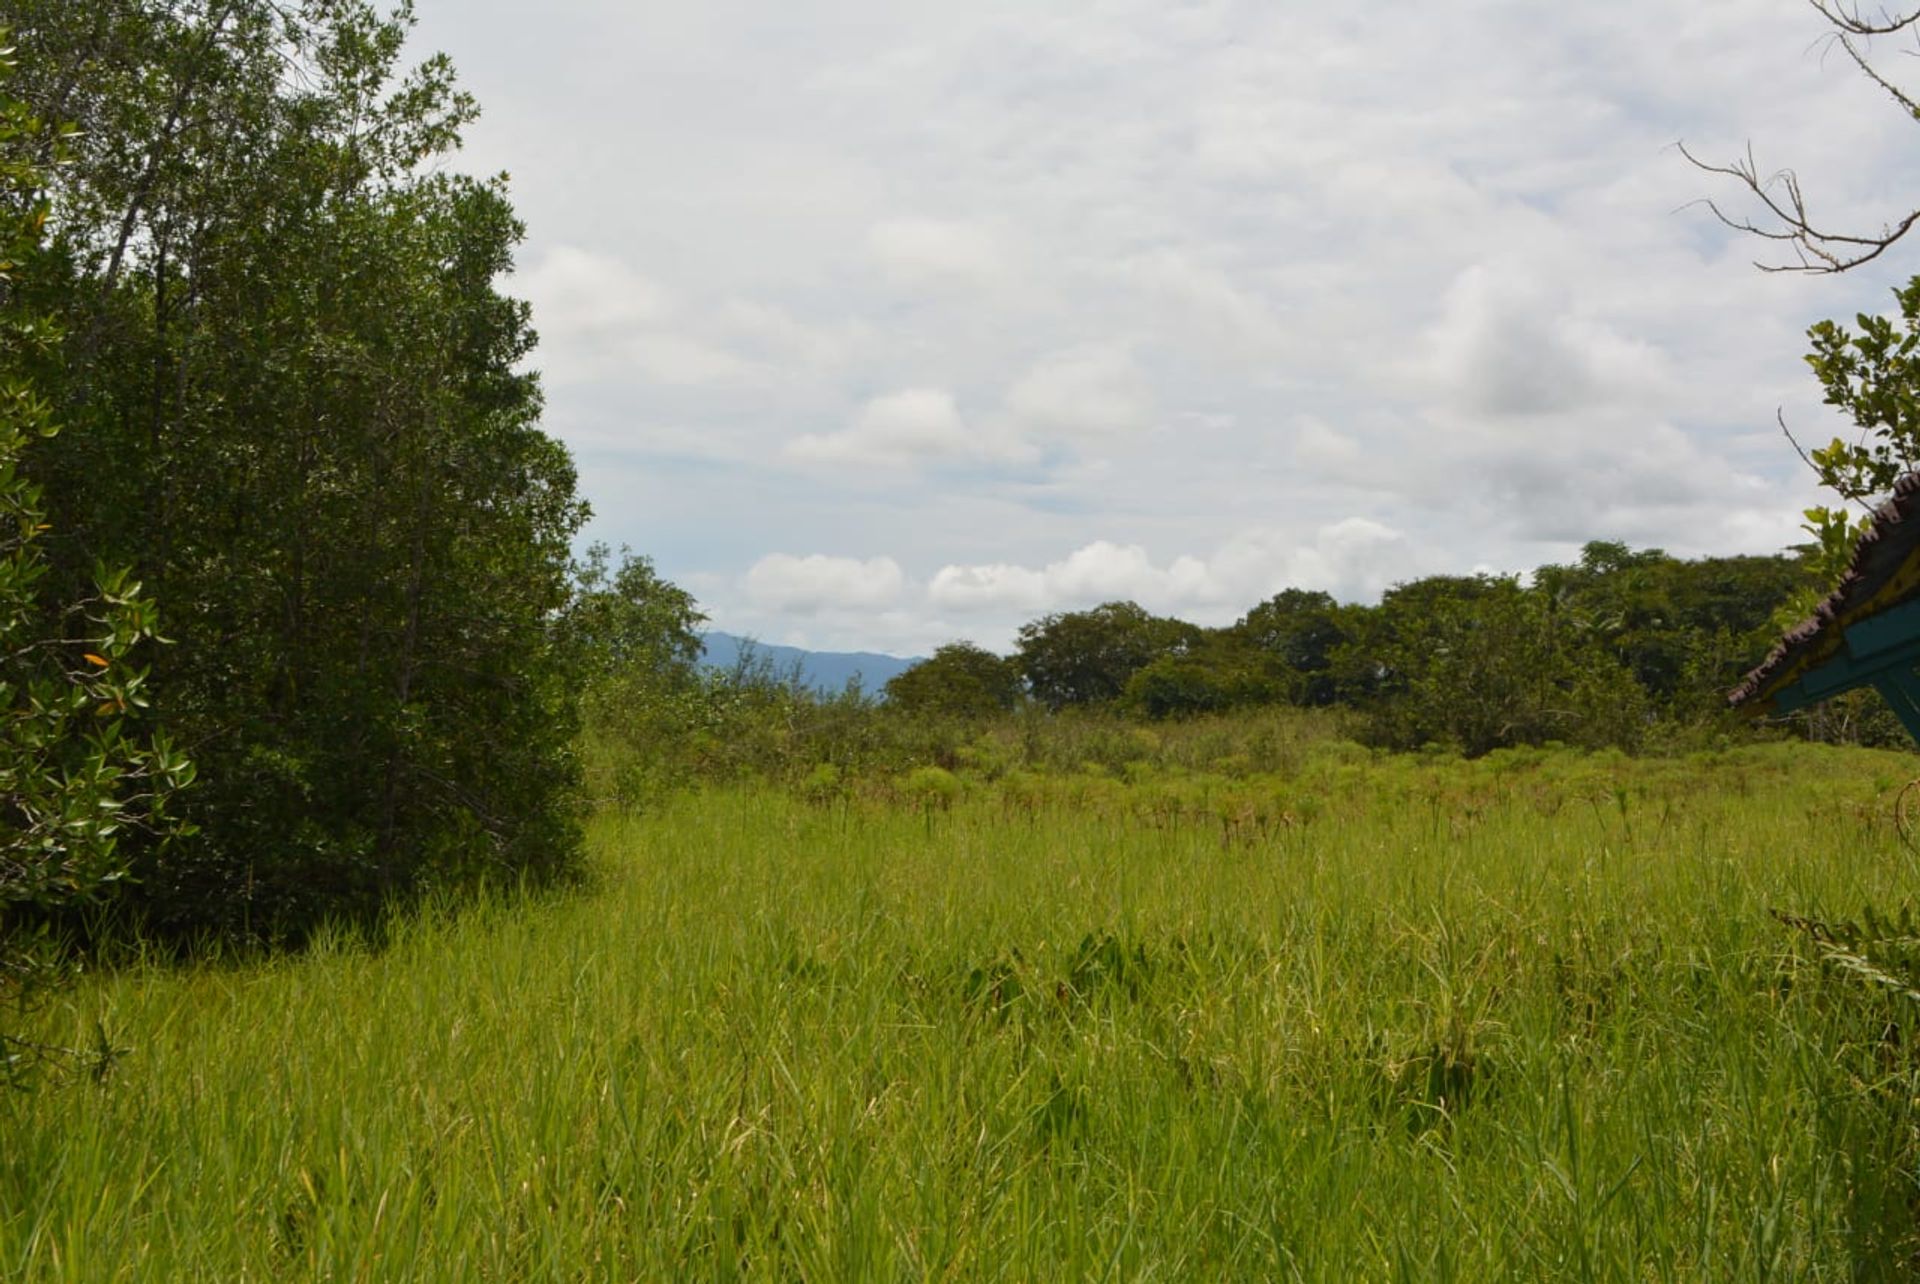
(1795,697)
(1842,673)
(1885,631)
(1900,688)
(1889,643)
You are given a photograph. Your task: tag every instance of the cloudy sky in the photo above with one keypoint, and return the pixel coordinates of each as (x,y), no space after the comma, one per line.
(881,323)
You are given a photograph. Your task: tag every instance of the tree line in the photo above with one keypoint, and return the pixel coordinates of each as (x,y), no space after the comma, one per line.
(1622,648)
(1605,651)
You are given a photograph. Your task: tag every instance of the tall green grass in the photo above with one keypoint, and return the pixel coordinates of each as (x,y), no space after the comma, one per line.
(1371,1019)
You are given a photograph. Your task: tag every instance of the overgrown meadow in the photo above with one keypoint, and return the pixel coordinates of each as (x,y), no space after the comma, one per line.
(1530,1016)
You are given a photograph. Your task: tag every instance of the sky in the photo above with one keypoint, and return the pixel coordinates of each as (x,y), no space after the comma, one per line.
(879,324)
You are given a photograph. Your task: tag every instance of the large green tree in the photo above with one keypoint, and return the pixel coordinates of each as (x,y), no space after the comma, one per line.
(1087,657)
(1301,628)
(632,637)
(286,343)
(1216,675)
(1686,630)
(958,680)
(624,619)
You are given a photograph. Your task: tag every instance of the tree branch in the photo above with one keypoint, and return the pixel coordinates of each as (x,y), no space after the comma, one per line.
(1886,25)
(1815,249)
(1780,418)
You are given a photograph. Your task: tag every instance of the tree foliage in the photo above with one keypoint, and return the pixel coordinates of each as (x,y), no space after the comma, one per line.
(1087,657)
(1480,663)
(1301,629)
(959,680)
(624,623)
(1686,630)
(1871,375)
(1219,671)
(78,773)
(1599,652)
(283,330)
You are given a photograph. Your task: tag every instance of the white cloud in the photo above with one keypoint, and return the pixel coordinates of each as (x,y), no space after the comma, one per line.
(816,583)
(774,335)
(1282,293)
(1090,390)
(919,252)
(914,426)
(1321,447)
(1103,571)
(1210,302)
(1354,557)
(578,293)
(598,317)
(662,441)
(995,588)
(1506,345)
(680,359)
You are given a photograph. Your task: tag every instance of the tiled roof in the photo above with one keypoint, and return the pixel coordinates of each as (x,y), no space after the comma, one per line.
(1885,571)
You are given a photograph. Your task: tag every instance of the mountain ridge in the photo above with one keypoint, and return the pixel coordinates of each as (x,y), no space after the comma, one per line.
(824,671)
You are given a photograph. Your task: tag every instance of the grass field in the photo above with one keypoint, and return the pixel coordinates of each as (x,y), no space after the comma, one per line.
(1527,1017)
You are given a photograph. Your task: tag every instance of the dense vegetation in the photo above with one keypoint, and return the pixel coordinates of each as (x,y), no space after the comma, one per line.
(1623,649)
(291,401)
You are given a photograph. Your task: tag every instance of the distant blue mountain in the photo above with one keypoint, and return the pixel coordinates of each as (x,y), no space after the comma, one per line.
(827,671)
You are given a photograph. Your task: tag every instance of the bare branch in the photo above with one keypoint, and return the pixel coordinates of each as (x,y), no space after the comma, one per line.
(1850,21)
(1859,60)
(1815,249)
